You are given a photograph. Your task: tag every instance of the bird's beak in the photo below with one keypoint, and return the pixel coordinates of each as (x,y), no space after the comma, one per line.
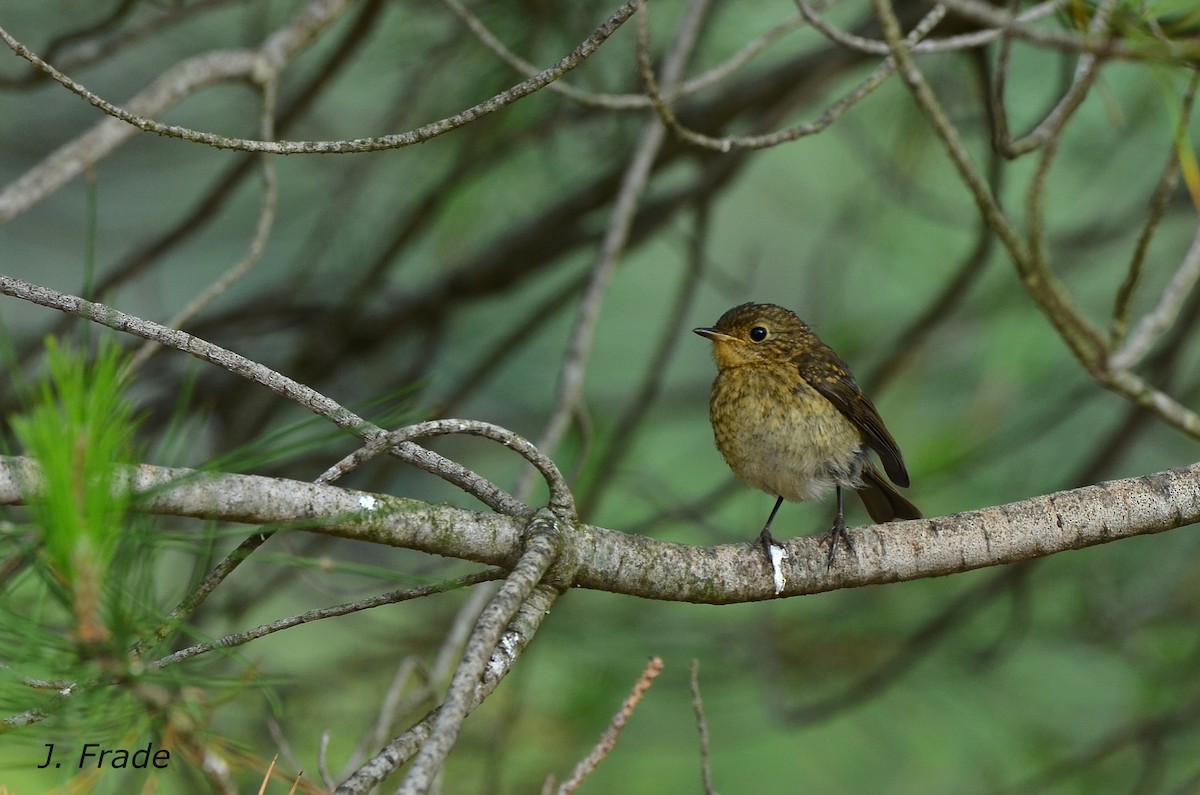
(714,335)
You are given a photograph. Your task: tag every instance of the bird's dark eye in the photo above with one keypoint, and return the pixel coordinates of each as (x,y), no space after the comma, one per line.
(758,333)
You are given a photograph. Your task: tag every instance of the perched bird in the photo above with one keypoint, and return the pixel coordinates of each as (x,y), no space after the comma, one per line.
(790,420)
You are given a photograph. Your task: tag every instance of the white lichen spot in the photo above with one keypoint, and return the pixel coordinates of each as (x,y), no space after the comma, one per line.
(367,502)
(504,654)
(778,556)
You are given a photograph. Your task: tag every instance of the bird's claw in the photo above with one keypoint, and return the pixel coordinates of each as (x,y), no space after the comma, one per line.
(836,533)
(766,541)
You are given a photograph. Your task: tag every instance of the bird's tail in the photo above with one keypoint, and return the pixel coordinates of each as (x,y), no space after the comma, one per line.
(883,502)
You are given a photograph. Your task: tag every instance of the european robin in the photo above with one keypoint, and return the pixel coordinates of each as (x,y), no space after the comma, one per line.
(790,420)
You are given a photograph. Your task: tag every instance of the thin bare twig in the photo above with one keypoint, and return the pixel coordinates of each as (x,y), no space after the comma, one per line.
(1048,136)
(436,678)
(561,499)
(956,43)
(702,729)
(1050,127)
(1173,50)
(389,598)
(966,41)
(608,740)
(1158,205)
(260,66)
(205,209)
(625,101)
(1084,340)
(633,185)
(258,242)
(1159,319)
(753,142)
(419,135)
(91,45)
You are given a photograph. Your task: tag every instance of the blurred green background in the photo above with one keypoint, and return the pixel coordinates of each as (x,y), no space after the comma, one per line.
(444,280)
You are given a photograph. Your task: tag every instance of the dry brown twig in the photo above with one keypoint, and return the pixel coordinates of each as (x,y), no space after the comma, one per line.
(702,729)
(608,740)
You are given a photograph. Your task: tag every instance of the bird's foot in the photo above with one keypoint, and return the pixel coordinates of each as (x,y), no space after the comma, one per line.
(766,541)
(836,533)
(775,554)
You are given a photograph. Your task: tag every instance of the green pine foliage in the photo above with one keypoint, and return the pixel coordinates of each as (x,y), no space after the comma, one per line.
(80,430)
(79,585)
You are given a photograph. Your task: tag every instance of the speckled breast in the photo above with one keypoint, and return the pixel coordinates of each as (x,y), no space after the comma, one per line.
(796,446)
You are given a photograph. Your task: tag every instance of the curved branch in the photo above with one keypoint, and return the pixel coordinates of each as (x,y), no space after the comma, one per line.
(560,494)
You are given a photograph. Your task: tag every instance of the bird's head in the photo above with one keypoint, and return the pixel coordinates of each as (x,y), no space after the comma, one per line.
(756,333)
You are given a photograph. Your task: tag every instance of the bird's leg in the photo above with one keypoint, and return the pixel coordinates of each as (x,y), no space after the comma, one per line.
(838,532)
(765,538)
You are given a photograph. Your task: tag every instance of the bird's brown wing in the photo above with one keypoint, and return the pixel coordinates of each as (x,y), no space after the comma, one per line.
(831,378)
